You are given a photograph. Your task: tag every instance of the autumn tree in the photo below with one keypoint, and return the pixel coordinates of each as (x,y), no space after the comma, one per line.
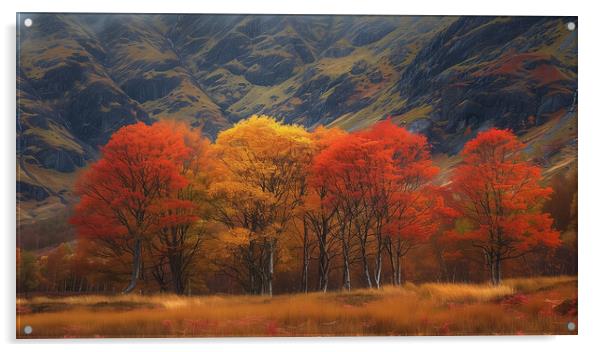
(28,271)
(56,267)
(182,222)
(318,216)
(101,268)
(562,205)
(404,202)
(448,253)
(344,169)
(499,196)
(124,193)
(259,182)
(94,272)
(376,182)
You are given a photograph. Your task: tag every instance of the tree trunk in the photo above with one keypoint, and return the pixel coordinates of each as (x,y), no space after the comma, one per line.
(270,273)
(394,251)
(494,261)
(177,274)
(304,274)
(252,272)
(389,249)
(398,279)
(324,260)
(251,282)
(394,270)
(346,275)
(365,264)
(496,274)
(324,269)
(377,272)
(378,262)
(135,266)
(367,271)
(175,259)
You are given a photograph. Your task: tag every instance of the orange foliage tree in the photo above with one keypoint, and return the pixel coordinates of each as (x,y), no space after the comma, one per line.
(124,193)
(258,184)
(499,197)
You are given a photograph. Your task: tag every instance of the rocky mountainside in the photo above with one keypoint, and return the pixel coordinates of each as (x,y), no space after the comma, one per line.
(82,76)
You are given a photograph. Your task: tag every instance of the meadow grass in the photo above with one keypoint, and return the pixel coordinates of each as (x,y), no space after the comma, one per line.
(519,306)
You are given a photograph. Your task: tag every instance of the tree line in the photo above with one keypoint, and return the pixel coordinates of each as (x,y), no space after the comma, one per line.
(316,210)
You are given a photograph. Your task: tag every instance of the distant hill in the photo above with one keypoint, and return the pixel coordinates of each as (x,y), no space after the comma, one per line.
(81,77)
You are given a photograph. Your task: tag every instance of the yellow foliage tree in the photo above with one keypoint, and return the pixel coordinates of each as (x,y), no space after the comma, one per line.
(259,182)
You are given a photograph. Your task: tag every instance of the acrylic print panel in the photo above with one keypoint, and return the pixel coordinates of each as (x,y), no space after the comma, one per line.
(254,175)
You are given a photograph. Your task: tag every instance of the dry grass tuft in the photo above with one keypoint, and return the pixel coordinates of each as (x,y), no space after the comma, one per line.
(528,285)
(464,292)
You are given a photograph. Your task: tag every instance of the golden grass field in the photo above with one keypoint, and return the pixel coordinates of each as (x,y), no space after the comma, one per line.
(518,306)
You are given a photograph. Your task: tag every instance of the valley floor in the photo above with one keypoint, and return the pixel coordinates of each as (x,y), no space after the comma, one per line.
(519,306)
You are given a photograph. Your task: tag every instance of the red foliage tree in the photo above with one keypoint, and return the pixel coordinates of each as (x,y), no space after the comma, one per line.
(499,197)
(404,201)
(350,169)
(180,233)
(317,216)
(376,182)
(123,194)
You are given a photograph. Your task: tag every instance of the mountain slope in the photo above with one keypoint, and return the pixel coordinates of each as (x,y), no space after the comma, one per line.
(83,76)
